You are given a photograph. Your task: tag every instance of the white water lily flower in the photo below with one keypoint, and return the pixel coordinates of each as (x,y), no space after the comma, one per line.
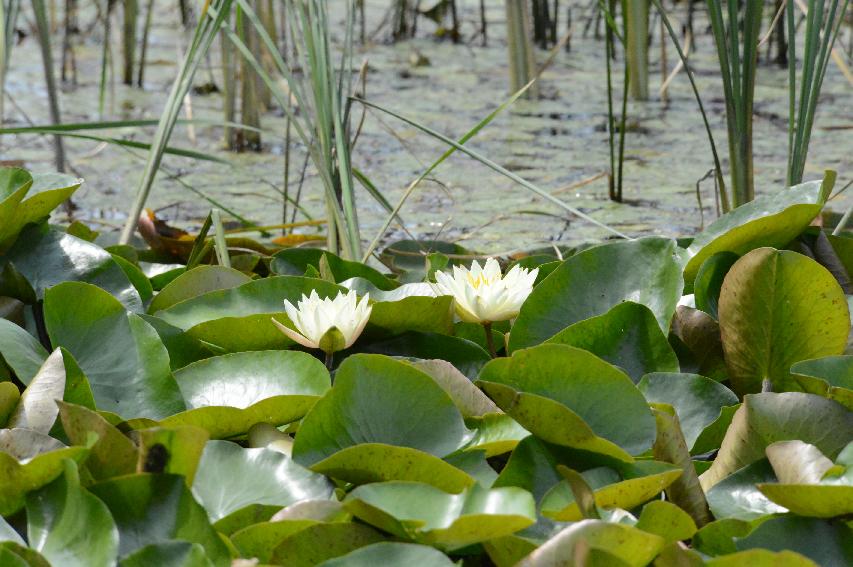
(313,318)
(483,295)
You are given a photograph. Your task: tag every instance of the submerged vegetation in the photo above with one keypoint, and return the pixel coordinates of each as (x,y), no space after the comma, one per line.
(316,390)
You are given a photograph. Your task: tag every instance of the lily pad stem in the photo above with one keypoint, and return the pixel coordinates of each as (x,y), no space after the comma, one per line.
(490,340)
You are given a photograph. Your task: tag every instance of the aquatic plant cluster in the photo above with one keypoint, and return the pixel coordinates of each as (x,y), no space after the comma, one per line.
(645,401)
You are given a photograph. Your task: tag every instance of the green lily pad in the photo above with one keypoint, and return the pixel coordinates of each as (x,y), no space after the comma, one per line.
(697,400)
(806,487)
(637,483)
(112,454)
(168,554)
(196,282)
(294,262)
(156,508)
(770,220)
(69,526)
(171,450)
(377,462)
(627,336)
(33,469)
(44,192)
(570,397)
(592,282)
(737,496)
(182,348)
(391,553)
(627,544)
(258,297)
(772,298)
(427,515)
(228,394)
(762,558)
(495,434)
(666,520)
(767,418)
(132,377)
(9,397)
(47,257)
(470,400)
(830,377)
(468,357)
(709,281)
(259,540)
(221,481)
(318,543)
(21,351)
(799,535)
(377,399)
(58,379)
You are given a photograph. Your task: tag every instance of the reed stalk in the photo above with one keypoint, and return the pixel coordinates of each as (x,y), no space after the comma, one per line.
(43,27)
(208,25)
(636,15)
(823,22)
(143,52)
(130,13)
(737,52)
(229,83)
(249,99)
(522,65)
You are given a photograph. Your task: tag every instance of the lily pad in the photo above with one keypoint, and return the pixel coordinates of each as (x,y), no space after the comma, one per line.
(830,377)
(47,257)
(637,483)
(21,351)
(570,397)
(632,546)
(130,377)
(425,514)
(465,355)
(769,220)
(195,282)
(627,336)
(592,282)
(294,262)
(391,553)
(772,298)
(767,418)
(737,496)
(376,399)
(156,508)
(228,394)
(44,192)
(709,281)
(321,542)
(112,454)
(69,526)
(221,481)
(20,476)
(799,535)
(168,554)
(697,400)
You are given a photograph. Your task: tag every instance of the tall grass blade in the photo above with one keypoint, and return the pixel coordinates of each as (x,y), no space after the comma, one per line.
(737,51)
(205,31)
(43,27)
(822,28)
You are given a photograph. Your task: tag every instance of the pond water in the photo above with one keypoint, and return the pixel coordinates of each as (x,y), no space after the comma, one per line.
(553,142)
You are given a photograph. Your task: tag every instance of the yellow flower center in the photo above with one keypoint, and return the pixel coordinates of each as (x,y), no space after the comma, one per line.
(478,281)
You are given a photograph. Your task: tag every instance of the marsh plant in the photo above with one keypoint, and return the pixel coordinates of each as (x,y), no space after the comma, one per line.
(637,407)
